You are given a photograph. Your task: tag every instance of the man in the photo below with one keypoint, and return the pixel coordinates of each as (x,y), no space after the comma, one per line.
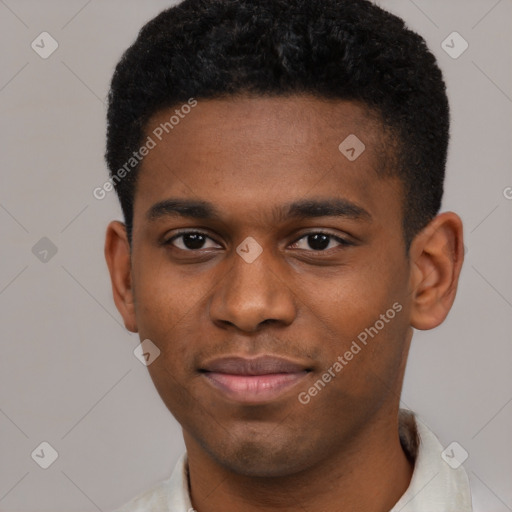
(280,167)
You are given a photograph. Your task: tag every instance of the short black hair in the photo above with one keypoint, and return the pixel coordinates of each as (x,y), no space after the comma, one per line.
(336,49)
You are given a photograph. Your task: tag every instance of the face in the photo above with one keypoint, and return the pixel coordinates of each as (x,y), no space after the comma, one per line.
(254,235)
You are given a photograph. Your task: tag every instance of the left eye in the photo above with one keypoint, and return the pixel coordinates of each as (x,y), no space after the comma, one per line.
(319,241)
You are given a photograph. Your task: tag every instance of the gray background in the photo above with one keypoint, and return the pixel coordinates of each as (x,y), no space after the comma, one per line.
(68,375)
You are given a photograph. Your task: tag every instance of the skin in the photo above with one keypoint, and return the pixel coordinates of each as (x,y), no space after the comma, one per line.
(248,157)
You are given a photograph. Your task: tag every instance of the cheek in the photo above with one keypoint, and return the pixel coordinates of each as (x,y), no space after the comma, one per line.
(165,310)
(362,317)
(163,296)
(350,300)
(166,323)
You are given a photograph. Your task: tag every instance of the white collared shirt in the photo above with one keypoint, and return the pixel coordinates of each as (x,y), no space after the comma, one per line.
(435,486)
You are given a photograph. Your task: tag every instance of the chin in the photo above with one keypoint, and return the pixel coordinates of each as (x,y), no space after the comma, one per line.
(262,459)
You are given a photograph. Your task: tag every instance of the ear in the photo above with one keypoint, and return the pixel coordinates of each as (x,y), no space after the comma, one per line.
(437,253)
(117,254)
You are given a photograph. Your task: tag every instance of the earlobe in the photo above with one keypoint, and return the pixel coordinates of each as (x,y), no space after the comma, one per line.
(117,255)
(436,260)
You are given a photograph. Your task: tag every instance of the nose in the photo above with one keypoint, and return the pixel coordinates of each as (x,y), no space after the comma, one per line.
(252,295)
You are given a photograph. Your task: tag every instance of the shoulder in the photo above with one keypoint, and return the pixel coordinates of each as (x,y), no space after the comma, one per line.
(154,499)
(169,495)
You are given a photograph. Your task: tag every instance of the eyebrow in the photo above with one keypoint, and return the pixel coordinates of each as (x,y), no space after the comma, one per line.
(303,209)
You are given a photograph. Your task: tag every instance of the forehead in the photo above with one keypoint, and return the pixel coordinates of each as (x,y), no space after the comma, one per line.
(265,150)
(279,121)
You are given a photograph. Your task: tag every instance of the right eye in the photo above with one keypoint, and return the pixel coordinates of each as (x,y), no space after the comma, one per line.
(190,241)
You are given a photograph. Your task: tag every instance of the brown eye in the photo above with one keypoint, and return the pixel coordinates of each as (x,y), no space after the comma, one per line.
(319,241)
(191,241)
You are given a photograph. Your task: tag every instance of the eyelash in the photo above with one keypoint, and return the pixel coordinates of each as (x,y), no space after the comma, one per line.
(343,242)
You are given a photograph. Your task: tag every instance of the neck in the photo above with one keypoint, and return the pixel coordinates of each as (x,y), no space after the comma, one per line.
(370,475)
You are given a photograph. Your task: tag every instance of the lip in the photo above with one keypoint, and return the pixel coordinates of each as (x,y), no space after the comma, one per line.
(255,380)
(261,365)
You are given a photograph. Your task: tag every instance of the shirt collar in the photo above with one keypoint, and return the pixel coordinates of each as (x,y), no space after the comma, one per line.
(434,484)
